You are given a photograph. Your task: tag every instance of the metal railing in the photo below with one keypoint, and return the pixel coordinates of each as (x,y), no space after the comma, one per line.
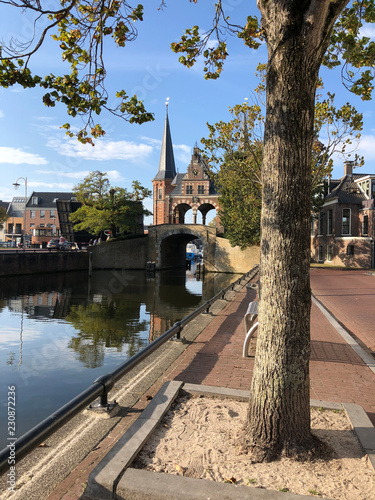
(102,385)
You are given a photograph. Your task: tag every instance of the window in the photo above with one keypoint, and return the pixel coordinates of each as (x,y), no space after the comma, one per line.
(34,200)
(365,225)
(52,214)
(321,219)
(373,189)
(200,189)
(42,214)
(320,254)
(10,228)
(346,223)
(329,253)
(160,195)
(189,189)
(32,214)
(18,228)
(350,250)
(329,222)
(312,225)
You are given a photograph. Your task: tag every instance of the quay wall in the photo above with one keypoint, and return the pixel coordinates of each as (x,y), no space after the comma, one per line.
(18,263)
(125,254)
(228,259)
(219,256)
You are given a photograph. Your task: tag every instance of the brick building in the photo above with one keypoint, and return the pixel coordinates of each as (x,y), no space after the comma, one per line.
(344,232)
(174,194)
(42,220)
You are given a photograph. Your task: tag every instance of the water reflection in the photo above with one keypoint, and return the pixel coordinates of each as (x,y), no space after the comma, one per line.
(61,331)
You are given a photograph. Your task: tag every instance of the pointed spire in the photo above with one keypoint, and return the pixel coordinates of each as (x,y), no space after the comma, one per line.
(167,169)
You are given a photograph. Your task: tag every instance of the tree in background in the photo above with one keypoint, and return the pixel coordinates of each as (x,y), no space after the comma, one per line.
(108,208)
(3,217)
(81,28)
(300,37)
(233,153)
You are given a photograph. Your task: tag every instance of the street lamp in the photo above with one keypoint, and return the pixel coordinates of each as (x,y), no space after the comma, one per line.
(16,186)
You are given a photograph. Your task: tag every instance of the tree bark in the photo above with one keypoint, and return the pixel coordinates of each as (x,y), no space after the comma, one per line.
(297,34)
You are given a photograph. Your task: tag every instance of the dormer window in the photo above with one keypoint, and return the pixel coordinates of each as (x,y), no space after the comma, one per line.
(34,200)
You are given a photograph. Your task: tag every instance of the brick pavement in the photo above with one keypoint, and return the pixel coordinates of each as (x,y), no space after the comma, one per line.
(215,358)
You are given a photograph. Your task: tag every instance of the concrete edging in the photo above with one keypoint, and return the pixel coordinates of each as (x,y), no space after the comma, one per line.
(114,479)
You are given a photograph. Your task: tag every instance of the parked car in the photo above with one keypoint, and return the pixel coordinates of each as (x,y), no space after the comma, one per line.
(54,243)
(60,245)
(65,245)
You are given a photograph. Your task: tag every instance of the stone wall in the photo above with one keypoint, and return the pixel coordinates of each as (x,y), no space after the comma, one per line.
(18,263)
(228,259)
(125,254)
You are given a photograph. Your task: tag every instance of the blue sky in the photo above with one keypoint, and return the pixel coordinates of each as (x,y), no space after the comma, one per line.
(32,144)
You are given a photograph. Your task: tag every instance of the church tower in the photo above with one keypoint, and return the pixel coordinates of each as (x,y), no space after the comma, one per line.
(162,182)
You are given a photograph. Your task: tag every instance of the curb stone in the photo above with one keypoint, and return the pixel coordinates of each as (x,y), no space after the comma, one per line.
(114,479)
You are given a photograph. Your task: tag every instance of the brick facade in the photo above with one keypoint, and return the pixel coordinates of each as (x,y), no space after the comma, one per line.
(343,232)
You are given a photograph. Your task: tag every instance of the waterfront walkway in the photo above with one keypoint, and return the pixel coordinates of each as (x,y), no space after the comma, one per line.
(338,373)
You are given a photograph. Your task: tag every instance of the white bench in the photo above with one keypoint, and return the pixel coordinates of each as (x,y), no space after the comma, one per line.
(251,324)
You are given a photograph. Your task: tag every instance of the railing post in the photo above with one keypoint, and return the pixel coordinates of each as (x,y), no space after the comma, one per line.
(178,334)
(107,381)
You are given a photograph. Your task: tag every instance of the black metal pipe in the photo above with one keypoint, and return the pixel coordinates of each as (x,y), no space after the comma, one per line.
(44,429)
(100,387)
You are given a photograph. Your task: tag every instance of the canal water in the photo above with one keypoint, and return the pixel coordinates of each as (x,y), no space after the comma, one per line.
(59,332)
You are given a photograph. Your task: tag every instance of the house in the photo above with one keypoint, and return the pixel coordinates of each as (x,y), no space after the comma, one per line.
(174,194)
(42,220)
(13,228)
(343,234)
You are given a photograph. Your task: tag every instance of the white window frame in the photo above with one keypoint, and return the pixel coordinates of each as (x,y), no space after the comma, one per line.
(320,253)
(330,251)
(350,222)
(363,225)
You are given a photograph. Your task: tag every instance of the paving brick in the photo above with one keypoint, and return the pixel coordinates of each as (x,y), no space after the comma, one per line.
(215,358)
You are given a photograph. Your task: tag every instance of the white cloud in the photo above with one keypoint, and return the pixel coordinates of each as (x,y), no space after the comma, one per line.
(1,114)
(102,151)
(153,142)
(366,147)
(16,156)
(45,119)
(368,30)
(70,175)
(182,153)
(113,175)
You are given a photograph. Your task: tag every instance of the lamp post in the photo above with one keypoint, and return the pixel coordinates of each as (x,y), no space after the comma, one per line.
(16,186)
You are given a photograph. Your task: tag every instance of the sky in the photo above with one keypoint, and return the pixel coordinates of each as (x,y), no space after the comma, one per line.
(33,146)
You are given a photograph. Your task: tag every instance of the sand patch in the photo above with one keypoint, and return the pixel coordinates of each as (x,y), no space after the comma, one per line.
(197,438)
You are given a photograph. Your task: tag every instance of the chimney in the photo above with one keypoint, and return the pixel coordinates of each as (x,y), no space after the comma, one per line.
(348,167)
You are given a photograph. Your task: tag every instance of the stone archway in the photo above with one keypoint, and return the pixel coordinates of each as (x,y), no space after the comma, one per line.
(205,208)
(179,212)
(167,243)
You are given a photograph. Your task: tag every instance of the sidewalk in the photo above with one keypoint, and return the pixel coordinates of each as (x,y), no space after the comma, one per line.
(215,358)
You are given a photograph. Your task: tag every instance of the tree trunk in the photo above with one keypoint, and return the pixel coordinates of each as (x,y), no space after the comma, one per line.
(279,407)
